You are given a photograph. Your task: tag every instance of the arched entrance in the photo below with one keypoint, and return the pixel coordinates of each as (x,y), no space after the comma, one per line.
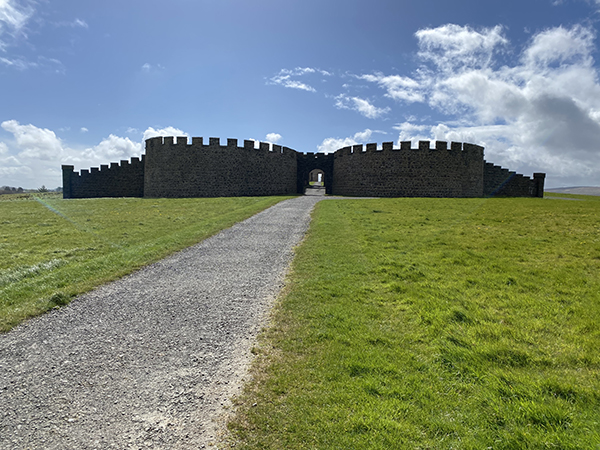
(316,177)
(315,168)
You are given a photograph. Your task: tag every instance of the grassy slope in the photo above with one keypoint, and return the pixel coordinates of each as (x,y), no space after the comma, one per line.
(53,249)
(435,324)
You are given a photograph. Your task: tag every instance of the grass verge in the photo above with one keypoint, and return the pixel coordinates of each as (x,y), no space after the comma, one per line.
(434,324)
(54,249)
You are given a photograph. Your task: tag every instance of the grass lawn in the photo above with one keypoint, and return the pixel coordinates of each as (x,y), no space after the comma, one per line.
(53,249)
(434,324)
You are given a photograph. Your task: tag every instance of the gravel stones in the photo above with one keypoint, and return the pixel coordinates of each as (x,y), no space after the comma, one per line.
(149,361)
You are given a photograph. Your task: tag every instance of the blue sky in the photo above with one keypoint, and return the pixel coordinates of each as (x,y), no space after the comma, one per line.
(84,83)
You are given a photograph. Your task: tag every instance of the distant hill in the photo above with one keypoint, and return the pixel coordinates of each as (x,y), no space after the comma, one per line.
(581,190)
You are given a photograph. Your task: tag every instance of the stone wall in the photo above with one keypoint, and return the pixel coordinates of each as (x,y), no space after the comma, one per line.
(179,169)
(124,180)
(441,171)
(501,182)
(172,167)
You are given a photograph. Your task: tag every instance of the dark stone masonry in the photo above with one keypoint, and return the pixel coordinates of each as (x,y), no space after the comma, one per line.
(172,167)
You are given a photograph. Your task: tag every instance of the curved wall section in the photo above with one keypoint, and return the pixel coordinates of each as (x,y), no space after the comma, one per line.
(172,167)
(179,169)
(406,172)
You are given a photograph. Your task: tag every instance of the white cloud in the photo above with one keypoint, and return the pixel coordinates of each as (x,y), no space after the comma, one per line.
(9,173)
(76,23)
(361,105)
(288,78)
(298,85)
(167,131)
(299,71)
(17,63)
(397,87)
(273,138)
(34,142)
(412,132)
(113,148)
(35,155)
(49,64)
(540,114)
(561,46)
(147,67)
(451,47)
(330,145)
(84,130)
(13,16)
(80,23)
(286,81)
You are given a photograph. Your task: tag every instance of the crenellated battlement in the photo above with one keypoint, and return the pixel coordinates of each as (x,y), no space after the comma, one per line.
(407,146)
(133,164)
(427,169)
(177,166)
(124,179)
(170,143)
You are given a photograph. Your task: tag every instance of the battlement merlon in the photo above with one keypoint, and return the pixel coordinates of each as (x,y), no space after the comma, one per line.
(424,145)
(197,143)
(473,149)
(538,180)
(289,152)
(67,174)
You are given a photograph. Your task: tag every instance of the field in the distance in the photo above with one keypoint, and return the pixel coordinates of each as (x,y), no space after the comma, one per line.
(53,249)
(434,324)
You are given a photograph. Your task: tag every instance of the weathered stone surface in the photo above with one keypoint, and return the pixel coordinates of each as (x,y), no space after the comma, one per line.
(172,167)
(213,170)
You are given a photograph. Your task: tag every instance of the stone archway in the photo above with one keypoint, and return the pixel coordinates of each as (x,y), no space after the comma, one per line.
(315,163)
(316,177)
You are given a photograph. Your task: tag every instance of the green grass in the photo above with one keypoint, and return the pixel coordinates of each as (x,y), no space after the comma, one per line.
(54,249)
(434,324)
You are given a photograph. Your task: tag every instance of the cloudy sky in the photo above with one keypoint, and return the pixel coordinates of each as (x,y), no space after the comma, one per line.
(84,83)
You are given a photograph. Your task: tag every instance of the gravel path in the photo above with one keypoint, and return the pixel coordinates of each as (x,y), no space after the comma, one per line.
(151,360)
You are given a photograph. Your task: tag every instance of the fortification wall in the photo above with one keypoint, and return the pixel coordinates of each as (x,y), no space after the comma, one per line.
(172,167)
(498,181)
(124,180)
(441,171)
(178,169)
